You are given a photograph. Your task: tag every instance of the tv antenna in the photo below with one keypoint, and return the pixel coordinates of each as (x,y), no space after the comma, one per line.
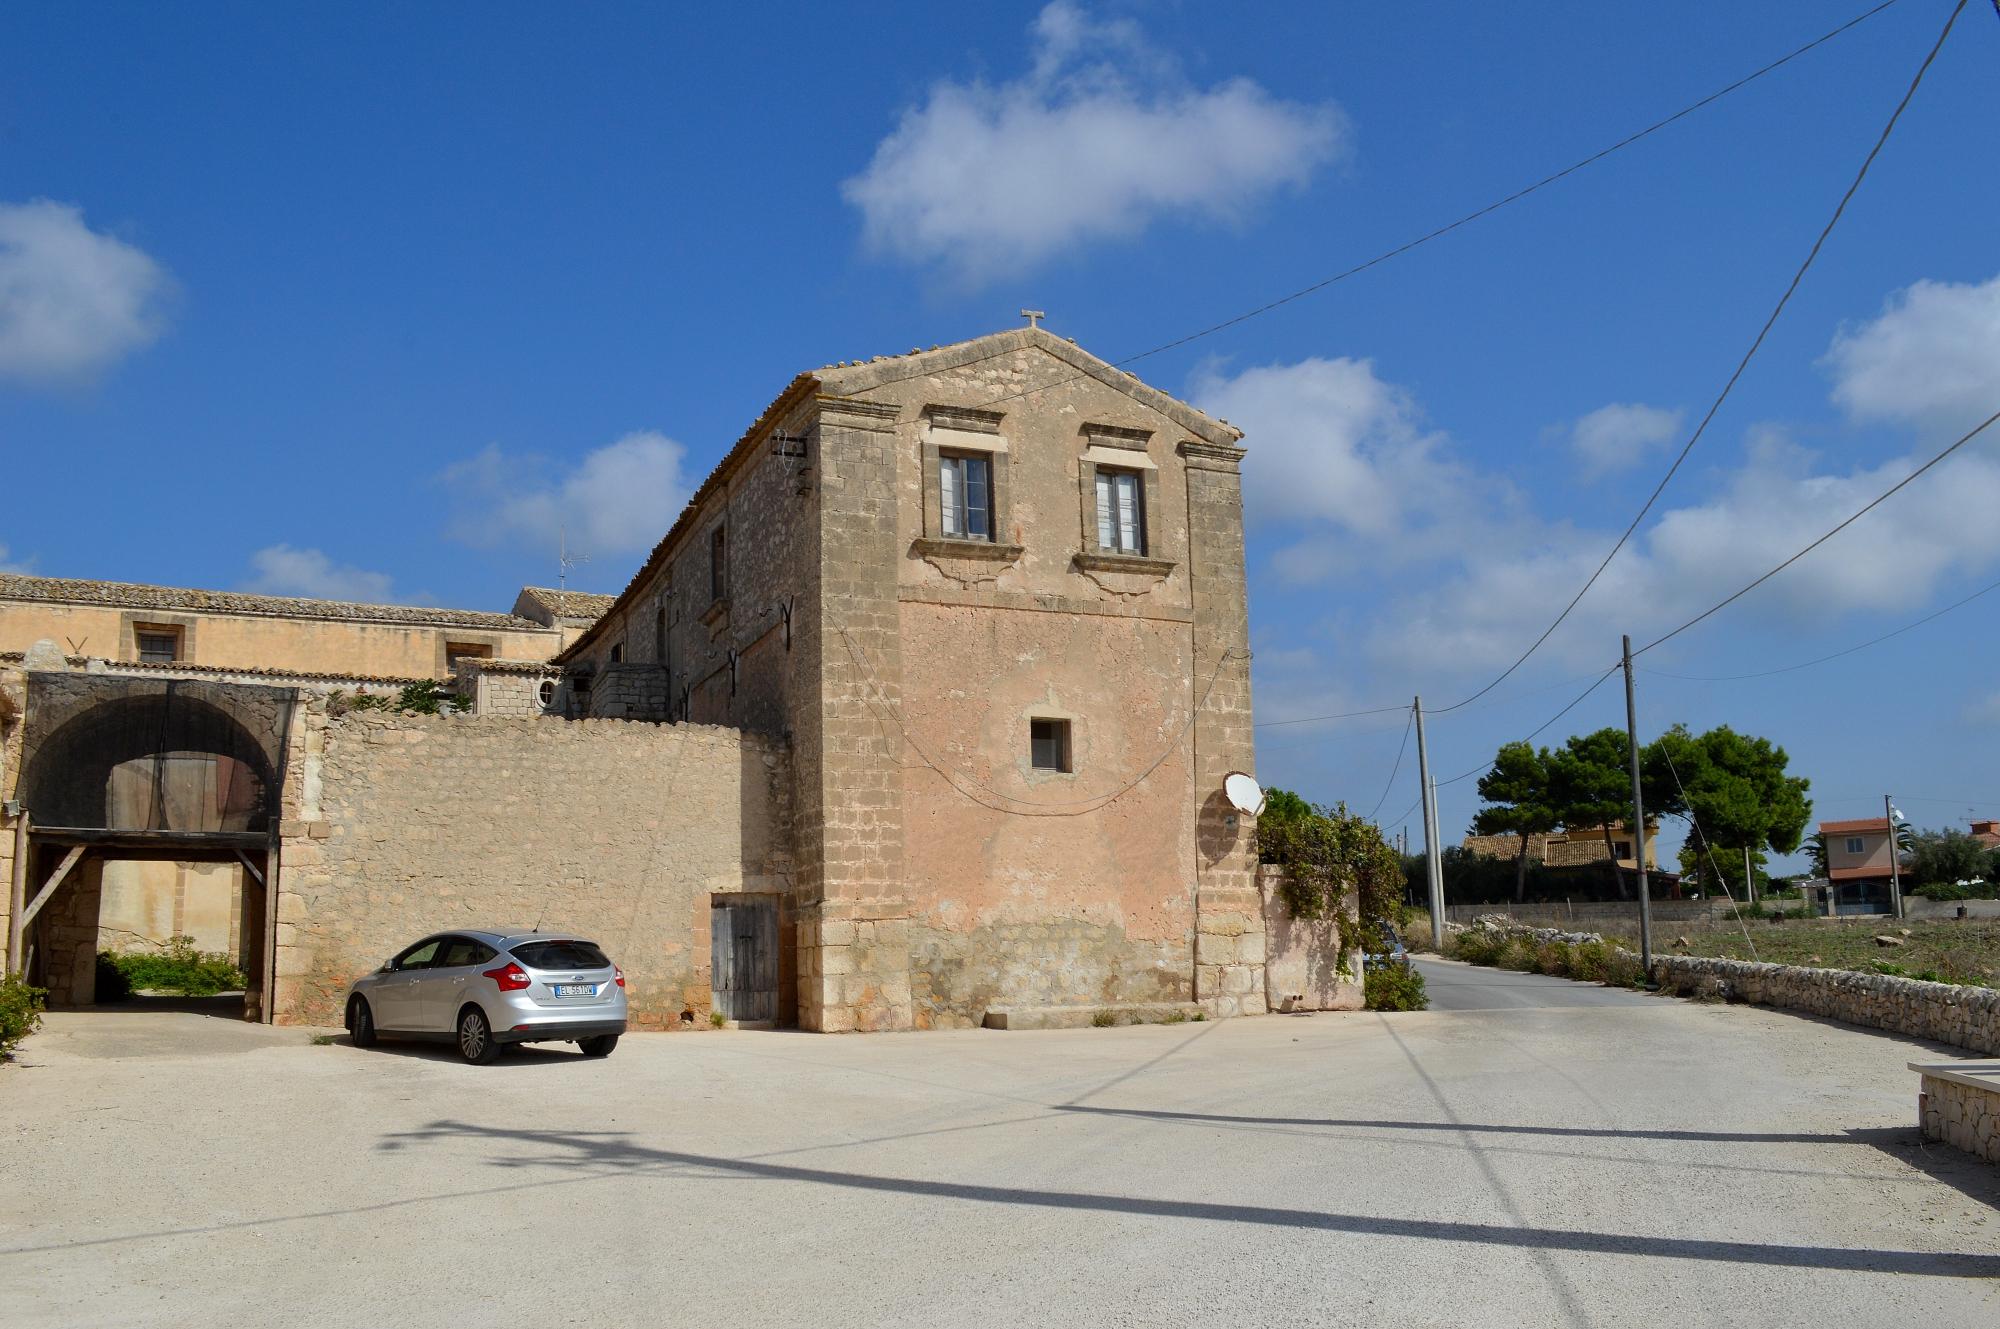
(564,562)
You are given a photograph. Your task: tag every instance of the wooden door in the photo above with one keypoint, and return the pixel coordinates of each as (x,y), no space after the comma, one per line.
(743,942)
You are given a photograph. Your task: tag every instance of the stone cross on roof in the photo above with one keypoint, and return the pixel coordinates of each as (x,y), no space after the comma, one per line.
(1034,317)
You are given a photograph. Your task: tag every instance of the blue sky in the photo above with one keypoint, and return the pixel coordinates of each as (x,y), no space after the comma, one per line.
(477,271)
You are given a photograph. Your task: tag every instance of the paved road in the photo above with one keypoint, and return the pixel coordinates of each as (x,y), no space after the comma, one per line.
(1645,1162)
(1463,987)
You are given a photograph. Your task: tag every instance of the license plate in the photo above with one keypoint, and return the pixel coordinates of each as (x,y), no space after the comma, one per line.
(576,989)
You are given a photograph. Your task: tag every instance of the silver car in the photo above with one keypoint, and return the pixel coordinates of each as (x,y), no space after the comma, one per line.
(483,989)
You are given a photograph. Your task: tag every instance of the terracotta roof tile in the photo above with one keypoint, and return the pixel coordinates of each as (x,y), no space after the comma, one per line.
(134,595)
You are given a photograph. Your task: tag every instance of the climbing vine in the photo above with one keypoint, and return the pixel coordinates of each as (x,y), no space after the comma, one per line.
(1322,853)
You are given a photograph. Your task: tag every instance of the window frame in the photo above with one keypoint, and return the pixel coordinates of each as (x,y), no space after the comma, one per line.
(1062,735)
(962,461)
(718,562)
(1105,482)
(1856,845)
(159,631)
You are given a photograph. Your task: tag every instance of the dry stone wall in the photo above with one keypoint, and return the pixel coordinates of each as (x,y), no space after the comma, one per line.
(1962,1116)
(1968,1017)
(619,831)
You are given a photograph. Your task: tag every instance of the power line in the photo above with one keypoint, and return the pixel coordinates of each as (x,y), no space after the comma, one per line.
(1446,229)
(1859,513)
(1742,365)
(1532,735)
(1807,664)
(1397,768)
(1343,715)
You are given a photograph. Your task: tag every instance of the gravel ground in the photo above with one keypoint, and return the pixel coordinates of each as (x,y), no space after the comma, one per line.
(1528,1161)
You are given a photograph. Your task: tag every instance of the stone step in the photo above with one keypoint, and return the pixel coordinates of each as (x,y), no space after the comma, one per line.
(1083,1017)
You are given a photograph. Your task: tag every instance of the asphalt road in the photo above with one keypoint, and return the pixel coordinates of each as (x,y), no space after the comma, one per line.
(1638,1162)
(1462,987)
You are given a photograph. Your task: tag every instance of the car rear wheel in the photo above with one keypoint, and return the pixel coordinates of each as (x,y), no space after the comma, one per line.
(360,1023)
(599,1046)
(475,1037)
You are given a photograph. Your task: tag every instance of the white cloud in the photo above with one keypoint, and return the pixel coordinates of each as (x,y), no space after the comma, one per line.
(1932,357)
(1101,137)
(619,499)
(1345,460)
(72,300)
(6,565)
(284,570)
(1620,435)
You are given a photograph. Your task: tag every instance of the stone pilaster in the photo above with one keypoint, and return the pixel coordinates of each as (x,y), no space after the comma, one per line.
(1229,916)
(853,923)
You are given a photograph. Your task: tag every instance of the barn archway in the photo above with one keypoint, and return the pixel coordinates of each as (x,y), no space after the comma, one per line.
(151,808)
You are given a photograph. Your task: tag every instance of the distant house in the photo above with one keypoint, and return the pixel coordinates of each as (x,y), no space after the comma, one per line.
(1987,831)
(1859,864)
(1571,848)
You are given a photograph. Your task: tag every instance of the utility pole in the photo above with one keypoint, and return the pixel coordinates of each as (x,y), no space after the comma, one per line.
(1433,867)
(1638,821)
(1749,877)
(1895,858)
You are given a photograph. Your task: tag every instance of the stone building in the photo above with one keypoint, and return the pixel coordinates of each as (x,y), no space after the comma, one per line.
(1572,848)
(991,598)
(919,715)
(165,634)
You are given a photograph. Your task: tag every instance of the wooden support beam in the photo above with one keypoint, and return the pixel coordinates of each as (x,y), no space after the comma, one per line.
(256,873)
(17,897)
(48,890)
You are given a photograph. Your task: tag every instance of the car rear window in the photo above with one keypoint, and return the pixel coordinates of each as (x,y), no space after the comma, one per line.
(560,955)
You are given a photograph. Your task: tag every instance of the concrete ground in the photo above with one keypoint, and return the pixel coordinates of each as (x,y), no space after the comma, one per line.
(1524,1160)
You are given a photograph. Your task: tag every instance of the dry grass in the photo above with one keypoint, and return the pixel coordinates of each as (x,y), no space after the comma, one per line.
(1943,950)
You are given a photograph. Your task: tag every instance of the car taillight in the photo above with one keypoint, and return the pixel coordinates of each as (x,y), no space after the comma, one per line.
(619,974)
(508,977)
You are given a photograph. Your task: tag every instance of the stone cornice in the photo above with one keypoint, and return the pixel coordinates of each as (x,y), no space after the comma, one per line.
(1212,456)
(855,413)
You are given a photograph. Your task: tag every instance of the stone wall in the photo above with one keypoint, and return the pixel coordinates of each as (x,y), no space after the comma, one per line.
(1968,1017)
(1961,1116)
(1302,968)
(400,825)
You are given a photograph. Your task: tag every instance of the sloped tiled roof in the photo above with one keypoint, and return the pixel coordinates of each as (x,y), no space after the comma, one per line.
(134,595)
(568,604)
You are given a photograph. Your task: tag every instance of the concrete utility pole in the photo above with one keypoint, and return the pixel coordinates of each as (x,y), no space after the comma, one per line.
(1895,858)
(1638,821)
(1433,866)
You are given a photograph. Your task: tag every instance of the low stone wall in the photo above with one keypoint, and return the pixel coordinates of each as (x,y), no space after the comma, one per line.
(1962,1117)
(1967,1017)
(399,825)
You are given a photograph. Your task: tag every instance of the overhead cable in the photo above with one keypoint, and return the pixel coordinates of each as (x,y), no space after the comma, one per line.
(1858,514)
(1742,365)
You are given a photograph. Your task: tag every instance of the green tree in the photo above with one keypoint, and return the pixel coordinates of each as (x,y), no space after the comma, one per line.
(1733,790)
(1947,856)
(1815,845)
(1590,783)
(1521,802)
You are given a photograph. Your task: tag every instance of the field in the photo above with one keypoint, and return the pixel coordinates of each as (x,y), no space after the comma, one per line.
(1942,950)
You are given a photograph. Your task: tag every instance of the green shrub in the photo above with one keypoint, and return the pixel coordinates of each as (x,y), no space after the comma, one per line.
(1553,958)
(1395,988)
(1622,969)
(1586,961)
(1516,954)
(1475,946)
(20,1012)
(179,969)
(1103,1019)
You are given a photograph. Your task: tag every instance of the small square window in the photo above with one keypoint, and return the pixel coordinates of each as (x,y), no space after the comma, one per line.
(158,645)
(1853,844)
(965,496)
(1048,741)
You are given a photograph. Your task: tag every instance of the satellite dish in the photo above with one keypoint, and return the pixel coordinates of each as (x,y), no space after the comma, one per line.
(1244,794)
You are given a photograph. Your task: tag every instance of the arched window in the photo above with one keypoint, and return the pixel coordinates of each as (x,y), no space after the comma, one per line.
(546,693)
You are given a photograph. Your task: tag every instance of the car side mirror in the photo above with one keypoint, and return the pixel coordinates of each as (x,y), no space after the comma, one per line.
(387,966)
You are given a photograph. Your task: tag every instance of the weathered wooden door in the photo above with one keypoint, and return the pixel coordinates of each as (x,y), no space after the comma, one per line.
(743,941)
